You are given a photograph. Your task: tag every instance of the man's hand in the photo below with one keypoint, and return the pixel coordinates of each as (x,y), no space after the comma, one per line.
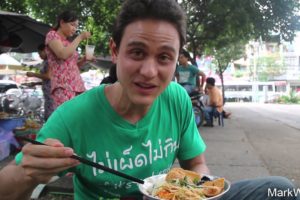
(41,162)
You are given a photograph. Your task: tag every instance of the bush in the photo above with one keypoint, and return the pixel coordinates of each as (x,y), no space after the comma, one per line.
(291,98)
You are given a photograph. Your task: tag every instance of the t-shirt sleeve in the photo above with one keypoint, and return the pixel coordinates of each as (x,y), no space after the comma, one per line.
(55,129)
(191,142)
(195,70)
(52,35)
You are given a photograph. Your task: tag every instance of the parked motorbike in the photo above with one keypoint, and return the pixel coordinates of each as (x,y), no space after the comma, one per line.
(197,107)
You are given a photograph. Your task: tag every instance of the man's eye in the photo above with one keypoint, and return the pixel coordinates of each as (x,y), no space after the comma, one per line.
(137,54)
(165,58)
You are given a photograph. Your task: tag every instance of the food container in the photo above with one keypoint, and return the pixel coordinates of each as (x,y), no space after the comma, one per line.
(152,182)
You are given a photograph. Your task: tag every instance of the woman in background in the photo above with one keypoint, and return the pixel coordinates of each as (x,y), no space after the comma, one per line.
(64,64)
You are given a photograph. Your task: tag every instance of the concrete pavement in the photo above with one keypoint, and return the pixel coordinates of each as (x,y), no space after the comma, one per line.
(229,153)
(258,140)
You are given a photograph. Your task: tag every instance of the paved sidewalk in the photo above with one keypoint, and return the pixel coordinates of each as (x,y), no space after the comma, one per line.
(229,153)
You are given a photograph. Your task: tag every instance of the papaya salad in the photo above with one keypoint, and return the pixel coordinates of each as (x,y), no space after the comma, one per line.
(183,184)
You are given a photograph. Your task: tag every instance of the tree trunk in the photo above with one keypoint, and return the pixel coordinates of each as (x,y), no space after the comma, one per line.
(220,73)
(222,84)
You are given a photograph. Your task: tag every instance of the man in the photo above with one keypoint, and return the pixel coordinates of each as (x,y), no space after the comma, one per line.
(215,101)
(187,74)
(46,84)
(139,125)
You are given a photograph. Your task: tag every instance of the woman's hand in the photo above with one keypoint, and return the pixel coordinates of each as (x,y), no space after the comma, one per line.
(30,74)
(42,162)
(84,35)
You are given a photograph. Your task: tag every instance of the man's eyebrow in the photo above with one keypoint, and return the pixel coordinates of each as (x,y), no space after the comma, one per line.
(136,43)
(168,48)
(141,44)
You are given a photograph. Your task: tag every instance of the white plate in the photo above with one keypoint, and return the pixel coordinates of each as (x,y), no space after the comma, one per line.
(150,183)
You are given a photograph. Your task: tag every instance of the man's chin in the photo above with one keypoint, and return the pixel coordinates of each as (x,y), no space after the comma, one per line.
(143,100)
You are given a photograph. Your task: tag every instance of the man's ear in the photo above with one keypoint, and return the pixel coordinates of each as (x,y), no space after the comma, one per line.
(113,50)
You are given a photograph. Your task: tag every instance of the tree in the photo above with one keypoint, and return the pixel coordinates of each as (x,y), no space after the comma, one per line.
(269,67)
(97,14)
(208,21)
(217,26)
(223,57)
(18,6)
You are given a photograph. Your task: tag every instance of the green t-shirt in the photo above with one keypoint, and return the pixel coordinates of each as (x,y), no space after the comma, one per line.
(187,75)
(95,131)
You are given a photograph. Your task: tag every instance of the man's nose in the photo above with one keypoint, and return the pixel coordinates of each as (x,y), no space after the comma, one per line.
(149,68)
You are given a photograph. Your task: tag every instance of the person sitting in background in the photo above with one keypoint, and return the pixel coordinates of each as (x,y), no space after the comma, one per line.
(46,83)
(215,101)
(186,74)
(205,102)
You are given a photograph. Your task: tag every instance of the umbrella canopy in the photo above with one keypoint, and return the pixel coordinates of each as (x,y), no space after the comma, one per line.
(20,33)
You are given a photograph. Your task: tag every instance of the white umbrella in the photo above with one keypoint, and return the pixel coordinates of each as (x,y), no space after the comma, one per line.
(6,59)
(9,65)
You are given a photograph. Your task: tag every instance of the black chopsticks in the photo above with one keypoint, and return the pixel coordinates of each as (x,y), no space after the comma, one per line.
(90,163)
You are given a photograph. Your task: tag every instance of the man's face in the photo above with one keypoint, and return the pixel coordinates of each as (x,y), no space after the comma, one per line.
(146,59)
(209,86)
(182,59)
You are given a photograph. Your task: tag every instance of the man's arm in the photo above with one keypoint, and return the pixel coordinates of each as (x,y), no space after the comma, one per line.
(43,76)
(39,164)
(201,80)
(197,164)
(14,184)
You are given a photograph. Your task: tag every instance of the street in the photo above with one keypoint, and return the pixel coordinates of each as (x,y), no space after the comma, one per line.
(258,140)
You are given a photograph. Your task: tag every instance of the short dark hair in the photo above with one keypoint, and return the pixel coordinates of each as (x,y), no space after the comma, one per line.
(186,54)
(41,47)
(66,16)
(211,81)
(132,10)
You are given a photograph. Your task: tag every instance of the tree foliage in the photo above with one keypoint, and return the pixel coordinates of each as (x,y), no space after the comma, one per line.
(223,57)
(221,27)
(212,24)
(269,67)
(98,15)
(95,15)
(18,6)
(215,23)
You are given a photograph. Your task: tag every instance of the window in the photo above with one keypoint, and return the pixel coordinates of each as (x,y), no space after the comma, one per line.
(261,88)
